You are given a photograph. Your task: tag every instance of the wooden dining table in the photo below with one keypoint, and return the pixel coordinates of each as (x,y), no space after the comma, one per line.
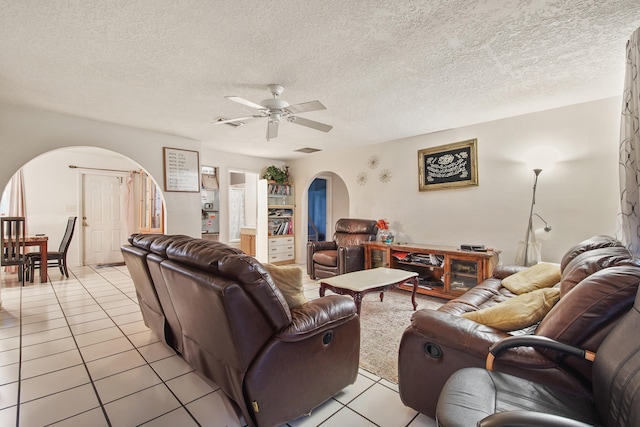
(42,242)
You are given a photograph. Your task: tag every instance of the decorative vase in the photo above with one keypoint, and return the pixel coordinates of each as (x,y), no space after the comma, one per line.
(385,236)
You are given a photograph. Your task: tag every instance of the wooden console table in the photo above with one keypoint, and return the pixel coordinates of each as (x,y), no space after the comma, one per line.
(444,271)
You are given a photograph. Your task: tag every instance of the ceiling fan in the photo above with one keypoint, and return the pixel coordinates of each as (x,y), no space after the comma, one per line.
(276,109)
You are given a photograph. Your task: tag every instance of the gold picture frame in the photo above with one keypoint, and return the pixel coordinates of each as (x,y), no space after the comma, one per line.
(448,166)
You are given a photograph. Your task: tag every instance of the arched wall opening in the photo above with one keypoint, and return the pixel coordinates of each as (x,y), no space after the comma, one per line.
(337,207)
(102,183)
(27,133)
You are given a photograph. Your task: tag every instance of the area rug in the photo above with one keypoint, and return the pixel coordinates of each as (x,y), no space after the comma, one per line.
(381,327)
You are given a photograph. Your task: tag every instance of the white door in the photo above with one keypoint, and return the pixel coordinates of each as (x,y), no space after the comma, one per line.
(104,228)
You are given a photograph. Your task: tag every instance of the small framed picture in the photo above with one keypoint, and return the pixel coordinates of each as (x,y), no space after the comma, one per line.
(448,166)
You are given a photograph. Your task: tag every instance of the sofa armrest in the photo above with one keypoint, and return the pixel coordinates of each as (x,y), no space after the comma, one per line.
(498,349)
(437,344)
(305,363)
(321,246)
(313,247)
(317,316)
(350,258)
(472,338)
(502,271)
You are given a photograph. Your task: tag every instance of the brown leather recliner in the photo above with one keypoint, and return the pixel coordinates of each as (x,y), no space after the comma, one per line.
(142,257)
(345,253)
(474,396)
(598,285)
(237,330)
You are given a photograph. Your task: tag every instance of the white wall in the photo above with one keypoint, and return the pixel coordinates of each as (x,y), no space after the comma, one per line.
(31,137)
(27,133)
(579,197)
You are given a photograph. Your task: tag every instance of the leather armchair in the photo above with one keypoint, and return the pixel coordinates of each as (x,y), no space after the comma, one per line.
(475,396)
(345,253)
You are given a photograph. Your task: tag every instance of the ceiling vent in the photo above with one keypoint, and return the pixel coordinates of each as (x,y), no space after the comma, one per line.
(308,150)
(235,124)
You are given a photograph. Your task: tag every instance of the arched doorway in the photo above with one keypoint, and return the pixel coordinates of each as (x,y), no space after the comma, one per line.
(336,198)
(101,187)
(319,214)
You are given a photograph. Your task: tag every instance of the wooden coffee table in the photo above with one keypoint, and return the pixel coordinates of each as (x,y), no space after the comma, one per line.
(359,283)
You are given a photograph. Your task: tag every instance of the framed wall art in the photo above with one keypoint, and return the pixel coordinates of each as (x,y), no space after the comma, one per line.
(448,166)
(181,170)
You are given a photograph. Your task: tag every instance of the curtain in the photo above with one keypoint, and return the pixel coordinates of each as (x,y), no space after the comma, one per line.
(630,149)
(17,205)
(128,203)
(236,212)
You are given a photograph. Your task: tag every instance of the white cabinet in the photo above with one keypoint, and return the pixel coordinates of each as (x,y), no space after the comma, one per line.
(281,250)
(275,239)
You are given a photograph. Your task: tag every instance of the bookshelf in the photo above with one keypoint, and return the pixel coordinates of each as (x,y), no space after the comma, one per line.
(280,223)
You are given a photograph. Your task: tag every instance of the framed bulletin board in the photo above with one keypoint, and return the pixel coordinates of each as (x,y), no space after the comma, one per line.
(448,166)
(181,170)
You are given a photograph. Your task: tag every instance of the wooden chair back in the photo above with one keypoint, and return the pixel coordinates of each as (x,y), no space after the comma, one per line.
(13,240)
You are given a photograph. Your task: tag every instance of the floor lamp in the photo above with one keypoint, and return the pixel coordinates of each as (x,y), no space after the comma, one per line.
(530,234)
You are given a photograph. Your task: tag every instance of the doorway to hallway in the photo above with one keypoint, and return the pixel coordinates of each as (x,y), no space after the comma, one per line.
(318,209)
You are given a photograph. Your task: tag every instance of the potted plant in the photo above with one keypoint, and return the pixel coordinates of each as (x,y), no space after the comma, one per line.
(279,175)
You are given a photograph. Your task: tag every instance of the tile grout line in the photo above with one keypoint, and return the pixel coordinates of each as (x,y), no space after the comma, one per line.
(19,364)
(162,381)
(84,363)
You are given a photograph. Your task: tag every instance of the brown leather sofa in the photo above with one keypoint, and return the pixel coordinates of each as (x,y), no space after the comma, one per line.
(220,309)
(474,396)
(599,280)
(345,253)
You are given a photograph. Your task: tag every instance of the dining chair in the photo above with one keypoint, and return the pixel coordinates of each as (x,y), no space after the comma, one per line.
(54,258)
(13,244)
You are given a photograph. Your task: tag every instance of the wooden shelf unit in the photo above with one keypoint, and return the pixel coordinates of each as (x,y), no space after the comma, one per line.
(280,215)
(444,271)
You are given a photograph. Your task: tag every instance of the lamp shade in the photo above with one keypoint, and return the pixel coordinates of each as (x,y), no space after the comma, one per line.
(541,234)
(541,157)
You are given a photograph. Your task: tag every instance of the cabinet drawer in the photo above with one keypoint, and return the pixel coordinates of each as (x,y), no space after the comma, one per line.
(283,256)
(281,241)
(281,249)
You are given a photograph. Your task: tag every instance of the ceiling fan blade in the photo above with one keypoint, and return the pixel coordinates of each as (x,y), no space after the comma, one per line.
(305,107)
(272,129)
(245,102)
(310,123)
(221,121)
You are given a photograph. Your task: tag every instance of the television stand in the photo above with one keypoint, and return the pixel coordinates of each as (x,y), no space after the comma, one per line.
(443,271)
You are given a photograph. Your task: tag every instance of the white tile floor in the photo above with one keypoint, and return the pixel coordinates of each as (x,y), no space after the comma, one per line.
(75,352)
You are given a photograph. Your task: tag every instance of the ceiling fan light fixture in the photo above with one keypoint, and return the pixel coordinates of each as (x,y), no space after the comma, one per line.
(274,104)
(276,109)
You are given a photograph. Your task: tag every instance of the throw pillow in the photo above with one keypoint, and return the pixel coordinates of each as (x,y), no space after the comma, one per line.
(517,312)
(289,281)
(541,275)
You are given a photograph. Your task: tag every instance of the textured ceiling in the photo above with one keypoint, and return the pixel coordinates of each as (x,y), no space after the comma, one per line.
(384,69)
